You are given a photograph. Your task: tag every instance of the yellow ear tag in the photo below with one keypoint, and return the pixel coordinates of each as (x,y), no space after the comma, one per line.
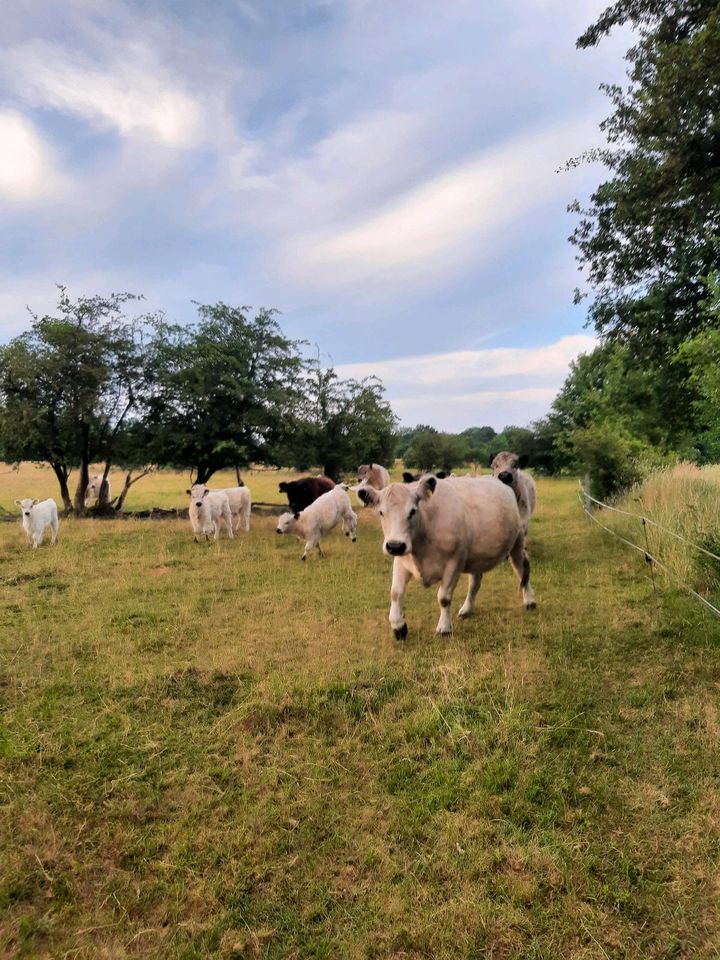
(430,492)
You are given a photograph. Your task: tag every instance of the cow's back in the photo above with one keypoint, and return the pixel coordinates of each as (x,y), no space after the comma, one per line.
(474,518)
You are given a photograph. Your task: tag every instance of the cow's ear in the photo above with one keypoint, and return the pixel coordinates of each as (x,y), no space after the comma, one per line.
(296,516)
(188,492)
(523,460)
(205,492)
(368,495)
(35,501)
(426,487)
(492,457)
(18,503)
(408,477)
(441,474)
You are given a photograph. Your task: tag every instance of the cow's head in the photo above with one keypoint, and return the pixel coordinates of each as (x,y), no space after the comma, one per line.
(398,507)
(363,471)
(505,466)
(197,494)
(26,505)
(286,522)
(282,487)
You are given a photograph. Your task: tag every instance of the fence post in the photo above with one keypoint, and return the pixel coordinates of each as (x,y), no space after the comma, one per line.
(586,489)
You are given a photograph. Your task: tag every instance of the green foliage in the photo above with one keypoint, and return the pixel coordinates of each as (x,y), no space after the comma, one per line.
(405,436)
(223,391)
(431,450)
(651,232)
(340,424)
(480,443)
(610,454)
(69,384)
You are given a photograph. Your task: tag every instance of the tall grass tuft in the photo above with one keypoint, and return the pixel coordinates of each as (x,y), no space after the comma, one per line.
(683,498)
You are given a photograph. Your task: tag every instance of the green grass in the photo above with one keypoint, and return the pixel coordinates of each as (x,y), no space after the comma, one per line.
(218,751)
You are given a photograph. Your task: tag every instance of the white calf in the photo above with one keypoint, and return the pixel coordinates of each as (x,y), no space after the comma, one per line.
(240,503)
(208,510)
(322,516)
(37,516)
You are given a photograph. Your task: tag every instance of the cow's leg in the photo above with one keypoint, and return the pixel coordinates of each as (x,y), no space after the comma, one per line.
(309,544)
(444,595)
(400,577)
(246,519)
(473,586)
(521,565)
(229,524)
(350,526)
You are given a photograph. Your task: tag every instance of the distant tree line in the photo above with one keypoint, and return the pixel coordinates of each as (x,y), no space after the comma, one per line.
(90,384)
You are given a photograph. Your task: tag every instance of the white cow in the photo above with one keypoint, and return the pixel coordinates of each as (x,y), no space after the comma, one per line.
(208,509)
(92,491)
(437,530)
(240,503)
(506,467)
(374,475)
(322,516)
(37,516)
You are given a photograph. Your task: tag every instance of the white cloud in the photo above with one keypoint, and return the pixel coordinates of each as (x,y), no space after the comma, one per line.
(464,388)
(129,92)
(26,168)
(454,217)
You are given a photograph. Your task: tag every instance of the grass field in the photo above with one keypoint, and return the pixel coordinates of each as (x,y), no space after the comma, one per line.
(217,751)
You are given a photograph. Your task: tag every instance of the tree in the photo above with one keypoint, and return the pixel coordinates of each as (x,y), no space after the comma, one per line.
(700,356)
(341,423)
(222,392)
(480,442)
(68,385)
(652,231)
(436,451)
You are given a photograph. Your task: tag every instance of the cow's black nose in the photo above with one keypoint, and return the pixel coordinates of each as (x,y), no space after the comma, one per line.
(395,547)
(278,530)
(505,477)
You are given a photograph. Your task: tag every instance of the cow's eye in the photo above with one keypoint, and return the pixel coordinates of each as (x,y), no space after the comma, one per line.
(381,513)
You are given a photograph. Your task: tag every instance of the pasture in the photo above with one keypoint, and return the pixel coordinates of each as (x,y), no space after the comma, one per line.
(214,750)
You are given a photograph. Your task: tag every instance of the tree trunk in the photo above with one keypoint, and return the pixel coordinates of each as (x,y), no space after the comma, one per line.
(124,492)
(84,474)
(61,472)
(81,489)
(240,481)
(103,500)
(204,472)
(129,481)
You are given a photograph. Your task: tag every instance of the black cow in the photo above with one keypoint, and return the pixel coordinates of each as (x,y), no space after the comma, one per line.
(301,493)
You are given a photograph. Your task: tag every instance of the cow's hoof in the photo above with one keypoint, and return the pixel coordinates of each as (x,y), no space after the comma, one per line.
(531,606)
(400,632)
(444,633)
(303,558)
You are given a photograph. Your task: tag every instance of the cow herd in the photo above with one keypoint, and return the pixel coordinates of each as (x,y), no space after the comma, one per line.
(435,527)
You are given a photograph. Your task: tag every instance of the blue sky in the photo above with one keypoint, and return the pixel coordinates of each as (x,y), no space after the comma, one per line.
(384,173)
